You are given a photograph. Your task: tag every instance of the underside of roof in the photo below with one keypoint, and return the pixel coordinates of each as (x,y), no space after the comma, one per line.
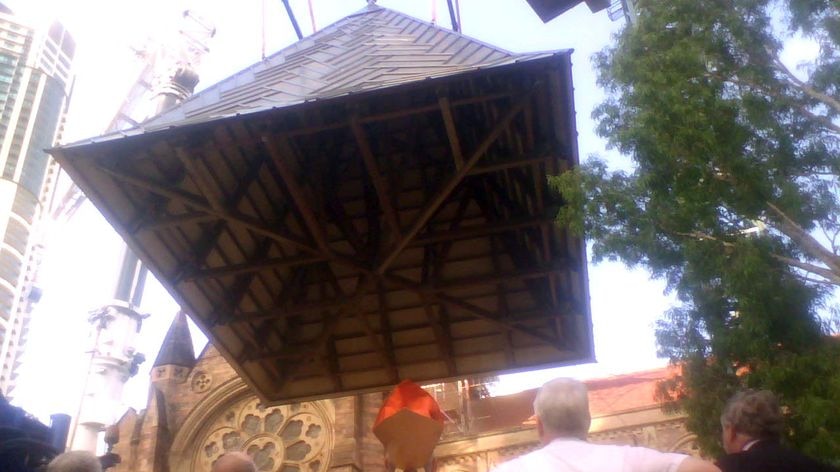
(344,244)
(547,10)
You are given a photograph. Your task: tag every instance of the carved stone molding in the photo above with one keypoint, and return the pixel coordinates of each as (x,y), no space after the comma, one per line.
(201,381)
(290,438)
(287,438)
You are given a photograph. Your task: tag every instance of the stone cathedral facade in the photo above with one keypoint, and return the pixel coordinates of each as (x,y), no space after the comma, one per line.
(199,408)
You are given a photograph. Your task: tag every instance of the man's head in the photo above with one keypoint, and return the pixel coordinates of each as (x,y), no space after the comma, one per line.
(562,409)
(750,415)
(75,461)
(234,462)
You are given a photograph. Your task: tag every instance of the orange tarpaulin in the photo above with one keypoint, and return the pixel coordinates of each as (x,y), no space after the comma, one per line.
(409,425)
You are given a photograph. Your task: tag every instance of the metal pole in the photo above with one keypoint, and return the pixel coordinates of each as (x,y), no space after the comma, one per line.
(455,26)
(262,50)
(312,17)
(292,19)
(85,387)
(131,280)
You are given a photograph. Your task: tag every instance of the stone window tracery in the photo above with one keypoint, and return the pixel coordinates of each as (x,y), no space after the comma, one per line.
(286,438)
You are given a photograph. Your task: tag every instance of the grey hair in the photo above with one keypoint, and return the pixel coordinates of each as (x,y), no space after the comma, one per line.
(562,406)
(235,461)
(75,461)
(755,413)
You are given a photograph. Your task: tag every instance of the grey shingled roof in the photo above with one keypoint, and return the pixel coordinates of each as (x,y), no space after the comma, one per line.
(177,348)
(369,50)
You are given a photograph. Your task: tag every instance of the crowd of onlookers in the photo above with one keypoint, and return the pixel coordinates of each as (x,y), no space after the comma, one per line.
(752,428)
(83,461)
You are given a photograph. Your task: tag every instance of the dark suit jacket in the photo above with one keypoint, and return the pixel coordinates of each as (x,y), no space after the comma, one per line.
(770,456)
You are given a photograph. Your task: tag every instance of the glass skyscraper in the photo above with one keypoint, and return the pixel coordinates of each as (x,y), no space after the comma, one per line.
(35,82)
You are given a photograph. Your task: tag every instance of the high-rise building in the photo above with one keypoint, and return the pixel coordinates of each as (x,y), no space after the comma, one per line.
(35,81)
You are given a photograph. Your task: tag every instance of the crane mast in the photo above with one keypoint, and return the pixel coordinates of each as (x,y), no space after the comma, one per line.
(168,76)
(164,61)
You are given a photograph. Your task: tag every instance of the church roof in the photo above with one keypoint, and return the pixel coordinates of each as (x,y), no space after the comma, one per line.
(367,205)
(372,49)
(177,347)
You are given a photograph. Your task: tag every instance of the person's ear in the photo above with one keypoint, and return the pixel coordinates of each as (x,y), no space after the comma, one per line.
(728,435)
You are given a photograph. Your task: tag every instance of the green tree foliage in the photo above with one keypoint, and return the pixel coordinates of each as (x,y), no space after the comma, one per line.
(733,199)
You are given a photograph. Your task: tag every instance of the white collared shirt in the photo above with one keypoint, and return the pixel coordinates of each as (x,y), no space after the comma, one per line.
(750,444)
(574,455)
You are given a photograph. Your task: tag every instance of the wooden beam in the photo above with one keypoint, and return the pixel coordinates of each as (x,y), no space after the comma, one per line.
(305,356)
(172,220)
(493,318)
(242,192)
(237,291)
(385,322)
(333,365)
(529,316)
(517,247)
(256,266)
(453,182)
(386,356)
(435,287)
(379,183)
(154,208)
(198,203)
(451,131)
(511,164)
(199,176)
(469,232)
(336,210)
(442,336)
(504,307)
(209,239)
(461,283)
(279,152)
(393,115)
(291,310)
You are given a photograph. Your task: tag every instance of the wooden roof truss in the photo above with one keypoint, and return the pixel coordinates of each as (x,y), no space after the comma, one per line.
(345,244)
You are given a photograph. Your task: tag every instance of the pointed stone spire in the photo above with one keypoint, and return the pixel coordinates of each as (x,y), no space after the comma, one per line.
(177,347)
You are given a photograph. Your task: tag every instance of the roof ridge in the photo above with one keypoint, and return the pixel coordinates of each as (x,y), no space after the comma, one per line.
(371,49)
(448,30)
(280,55)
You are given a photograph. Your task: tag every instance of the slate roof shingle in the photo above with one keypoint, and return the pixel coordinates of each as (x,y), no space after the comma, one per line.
(372,49)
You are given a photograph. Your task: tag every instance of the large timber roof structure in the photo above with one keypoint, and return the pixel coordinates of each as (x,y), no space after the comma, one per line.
(368,205)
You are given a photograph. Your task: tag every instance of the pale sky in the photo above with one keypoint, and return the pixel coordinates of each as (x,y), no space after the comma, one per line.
(82,255)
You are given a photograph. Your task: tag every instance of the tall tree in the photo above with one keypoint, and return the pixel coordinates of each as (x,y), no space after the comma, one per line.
(733,198)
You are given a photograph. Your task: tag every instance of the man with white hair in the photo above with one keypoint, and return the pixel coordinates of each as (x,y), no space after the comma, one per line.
(562,410)
(75,461)
(234,462)
(753,426)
